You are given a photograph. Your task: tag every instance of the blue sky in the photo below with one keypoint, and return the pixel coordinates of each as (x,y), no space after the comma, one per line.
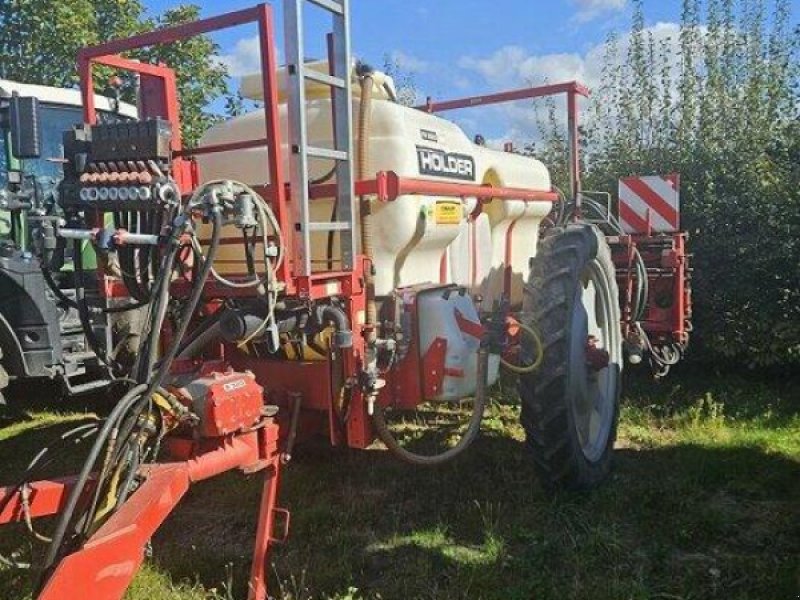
(463,47)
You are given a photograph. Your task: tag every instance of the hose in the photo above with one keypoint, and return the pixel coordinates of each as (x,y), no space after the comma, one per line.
(191,305)
(135,398)
(367,233)
(51,283)
(157,313)
(81,433)
(201,341)
(473,429)
(642,283)
(127,260)
(537,340)
(336,316)
(83,477)
(83,312)
(209,322)
(267,217)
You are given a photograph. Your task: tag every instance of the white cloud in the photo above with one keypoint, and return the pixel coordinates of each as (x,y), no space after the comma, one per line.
(408,63)
(245,58)
(589,10)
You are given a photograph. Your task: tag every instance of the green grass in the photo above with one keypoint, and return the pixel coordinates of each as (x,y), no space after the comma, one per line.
(704,503)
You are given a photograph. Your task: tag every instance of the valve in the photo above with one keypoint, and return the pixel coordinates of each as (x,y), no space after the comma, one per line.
(244,211)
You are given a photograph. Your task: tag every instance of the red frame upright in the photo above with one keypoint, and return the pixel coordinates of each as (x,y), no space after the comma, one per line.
(159,97)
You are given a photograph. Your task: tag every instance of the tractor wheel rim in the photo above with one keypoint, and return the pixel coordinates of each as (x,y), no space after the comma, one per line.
(593,392)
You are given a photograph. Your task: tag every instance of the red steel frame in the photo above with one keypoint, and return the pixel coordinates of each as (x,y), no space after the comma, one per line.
(104,566)
(667,319)
(572,89)
(159,92)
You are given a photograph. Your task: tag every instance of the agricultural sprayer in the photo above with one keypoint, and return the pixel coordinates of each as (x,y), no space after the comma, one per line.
(324,266)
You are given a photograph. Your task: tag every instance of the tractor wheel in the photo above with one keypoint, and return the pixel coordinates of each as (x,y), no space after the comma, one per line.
(570,405)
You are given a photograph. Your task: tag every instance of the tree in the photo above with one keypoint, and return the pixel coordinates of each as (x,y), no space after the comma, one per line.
(719,104)
(404,81)
(39,41)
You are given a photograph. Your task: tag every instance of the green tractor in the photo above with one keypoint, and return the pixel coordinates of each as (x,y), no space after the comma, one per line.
(42,333)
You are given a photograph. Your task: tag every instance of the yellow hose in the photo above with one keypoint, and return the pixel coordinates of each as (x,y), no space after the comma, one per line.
(367,239)
(537,340)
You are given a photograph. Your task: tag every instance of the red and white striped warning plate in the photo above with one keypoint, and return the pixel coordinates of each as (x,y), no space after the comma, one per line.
(650,203)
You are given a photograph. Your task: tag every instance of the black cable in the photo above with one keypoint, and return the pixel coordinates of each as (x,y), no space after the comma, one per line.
(203,326)
(159,223)
(113,310)
(65,517)
(35,465)
(51,283)
(66,301)
(143,225)
(127,257)
(191,306)
(166,363)
(139,396)
(127,261)
(249,253)
(149,347)
(117,414)
(83,312)
(124,438)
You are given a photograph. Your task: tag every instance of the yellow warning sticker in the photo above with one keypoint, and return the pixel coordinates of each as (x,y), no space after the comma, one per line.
(448,212)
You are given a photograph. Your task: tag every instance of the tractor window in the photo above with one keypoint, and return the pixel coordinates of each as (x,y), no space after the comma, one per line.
(55,120)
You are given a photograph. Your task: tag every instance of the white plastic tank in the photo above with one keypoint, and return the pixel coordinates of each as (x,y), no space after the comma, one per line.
(418,239)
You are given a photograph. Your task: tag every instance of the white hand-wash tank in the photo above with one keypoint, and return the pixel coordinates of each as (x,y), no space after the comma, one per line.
(418,239)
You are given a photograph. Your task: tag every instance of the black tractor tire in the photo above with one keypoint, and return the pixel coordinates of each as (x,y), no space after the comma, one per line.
(567,258)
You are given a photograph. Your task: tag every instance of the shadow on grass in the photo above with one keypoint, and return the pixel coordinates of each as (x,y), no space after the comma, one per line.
(681,521)
(686,521)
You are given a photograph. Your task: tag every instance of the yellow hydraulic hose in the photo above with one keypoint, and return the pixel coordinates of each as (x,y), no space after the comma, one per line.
(367,235)
(537,340)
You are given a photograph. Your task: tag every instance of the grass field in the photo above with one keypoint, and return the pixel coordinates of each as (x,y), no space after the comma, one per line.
(704,503)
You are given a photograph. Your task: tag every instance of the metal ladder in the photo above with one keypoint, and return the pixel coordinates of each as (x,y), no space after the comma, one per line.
(342,117)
